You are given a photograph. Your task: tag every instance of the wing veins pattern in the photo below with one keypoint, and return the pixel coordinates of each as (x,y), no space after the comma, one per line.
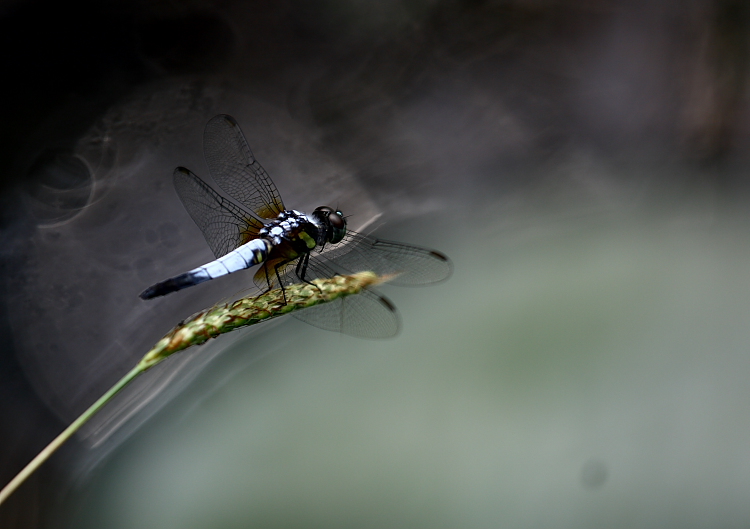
(225,225)
(411,265)
(369,314)
(234,167)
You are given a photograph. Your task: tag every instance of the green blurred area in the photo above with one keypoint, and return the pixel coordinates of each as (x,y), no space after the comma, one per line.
(577,371)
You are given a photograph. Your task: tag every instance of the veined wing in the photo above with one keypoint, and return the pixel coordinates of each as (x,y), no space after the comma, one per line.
(225,225)
(364,315)
(411,265)
(368,314)
(236,170)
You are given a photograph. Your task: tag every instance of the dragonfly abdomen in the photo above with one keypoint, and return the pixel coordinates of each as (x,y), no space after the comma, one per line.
(247,255)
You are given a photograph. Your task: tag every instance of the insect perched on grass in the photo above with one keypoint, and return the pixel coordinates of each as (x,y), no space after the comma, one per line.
(290,246)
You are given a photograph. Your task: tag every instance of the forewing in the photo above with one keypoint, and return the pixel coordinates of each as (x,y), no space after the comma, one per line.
(236,170)
(408,264)
(224,224)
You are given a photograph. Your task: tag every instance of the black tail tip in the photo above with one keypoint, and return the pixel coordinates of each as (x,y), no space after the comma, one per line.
(154,291)
(149,293)
(173,284)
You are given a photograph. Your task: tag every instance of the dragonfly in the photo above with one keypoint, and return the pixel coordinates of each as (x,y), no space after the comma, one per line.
(290,246)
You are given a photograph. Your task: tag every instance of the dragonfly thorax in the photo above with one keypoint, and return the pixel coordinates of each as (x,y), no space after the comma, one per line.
(324,225)
(290,225)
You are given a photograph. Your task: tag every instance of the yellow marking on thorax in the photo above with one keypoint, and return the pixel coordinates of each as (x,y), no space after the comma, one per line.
(309,241)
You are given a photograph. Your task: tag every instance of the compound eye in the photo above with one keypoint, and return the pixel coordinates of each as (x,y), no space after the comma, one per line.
(337,220)
(324,209)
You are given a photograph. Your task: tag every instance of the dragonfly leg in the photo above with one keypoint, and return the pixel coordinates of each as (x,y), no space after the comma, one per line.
(265,272)
(281,284)
(268,280)
(301,270)
(278,278)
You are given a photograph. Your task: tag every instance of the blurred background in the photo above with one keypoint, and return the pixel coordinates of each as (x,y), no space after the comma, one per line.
(583,162)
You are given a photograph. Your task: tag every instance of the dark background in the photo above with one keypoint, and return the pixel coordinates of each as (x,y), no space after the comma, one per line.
(436,110)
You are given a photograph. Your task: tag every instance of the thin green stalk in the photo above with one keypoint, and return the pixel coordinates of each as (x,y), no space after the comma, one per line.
(68,432)
(201,327)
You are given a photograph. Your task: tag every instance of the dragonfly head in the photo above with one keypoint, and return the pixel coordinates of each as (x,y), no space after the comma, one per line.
(333,221)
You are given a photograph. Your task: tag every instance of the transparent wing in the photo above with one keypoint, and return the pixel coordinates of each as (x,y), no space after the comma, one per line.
(236,170)
(368,314)
(224,224)
(364,315)
(411,265)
